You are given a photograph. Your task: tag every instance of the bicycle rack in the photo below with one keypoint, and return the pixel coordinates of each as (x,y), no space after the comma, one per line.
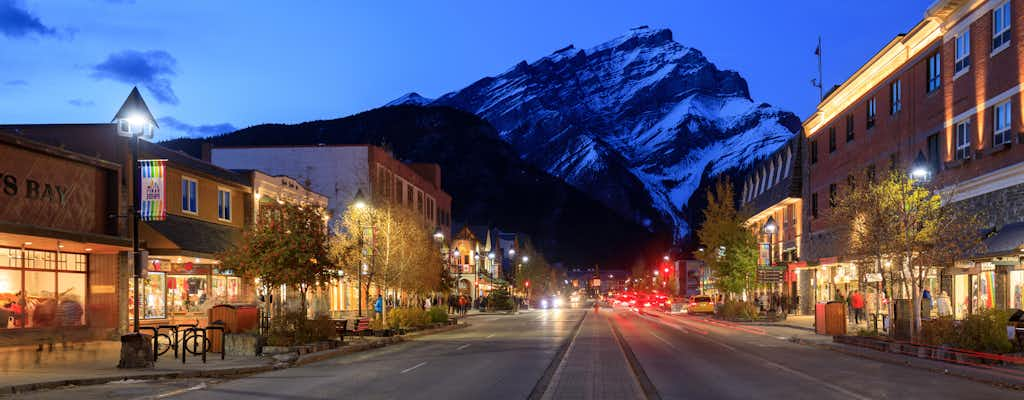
(174,340)
(154,330)
(195,336)
(223,349)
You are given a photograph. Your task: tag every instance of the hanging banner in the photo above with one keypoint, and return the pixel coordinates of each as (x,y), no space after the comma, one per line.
(152,206)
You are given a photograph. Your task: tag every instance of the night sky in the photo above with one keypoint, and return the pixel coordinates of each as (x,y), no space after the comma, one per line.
(207,67)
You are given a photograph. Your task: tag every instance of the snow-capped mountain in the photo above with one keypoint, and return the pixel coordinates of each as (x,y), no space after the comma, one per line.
(412,98)
(637,122)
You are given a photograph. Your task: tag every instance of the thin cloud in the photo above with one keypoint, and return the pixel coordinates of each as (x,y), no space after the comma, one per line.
(151,69)
(16,22)
(81,103)
(190,130)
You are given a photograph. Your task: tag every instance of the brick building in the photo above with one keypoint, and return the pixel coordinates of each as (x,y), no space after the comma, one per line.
(948,91)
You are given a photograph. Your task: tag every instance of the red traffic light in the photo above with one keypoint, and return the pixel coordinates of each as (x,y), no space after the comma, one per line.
(666,270)
(527,283)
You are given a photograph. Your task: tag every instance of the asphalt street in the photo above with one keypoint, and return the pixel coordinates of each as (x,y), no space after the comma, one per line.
(576,354)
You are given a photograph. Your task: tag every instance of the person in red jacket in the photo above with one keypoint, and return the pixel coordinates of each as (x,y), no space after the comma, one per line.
(857,301)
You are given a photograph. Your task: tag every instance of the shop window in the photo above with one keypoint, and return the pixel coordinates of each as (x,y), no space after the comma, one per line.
(11,309)
(154,295)
(41,289)
(187,293)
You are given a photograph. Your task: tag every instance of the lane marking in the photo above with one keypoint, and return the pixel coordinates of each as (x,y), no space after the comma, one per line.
(490,336)
(664,341)
(181,391)
(463,346)
(413,367)
(820,381)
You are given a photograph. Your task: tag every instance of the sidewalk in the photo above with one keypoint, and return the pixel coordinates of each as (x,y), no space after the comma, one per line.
(25,369)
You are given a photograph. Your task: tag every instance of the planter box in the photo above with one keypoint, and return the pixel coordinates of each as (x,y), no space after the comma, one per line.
(242,344)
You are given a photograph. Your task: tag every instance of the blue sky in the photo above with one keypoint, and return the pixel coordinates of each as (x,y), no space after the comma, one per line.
(210,66)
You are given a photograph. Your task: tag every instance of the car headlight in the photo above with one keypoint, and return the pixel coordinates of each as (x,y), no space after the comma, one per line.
(558,302)
(543,304)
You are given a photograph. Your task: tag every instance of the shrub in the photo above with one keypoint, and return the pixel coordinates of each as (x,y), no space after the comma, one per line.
(738,310)
(499,299)
(407,317)
(437,314)
(292,329)
(984,331)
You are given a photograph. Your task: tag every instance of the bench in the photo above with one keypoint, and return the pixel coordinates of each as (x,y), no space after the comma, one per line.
(339,326)
(362,327)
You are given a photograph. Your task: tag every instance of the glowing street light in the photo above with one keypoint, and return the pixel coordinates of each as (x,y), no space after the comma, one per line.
(920,169)
(526,258)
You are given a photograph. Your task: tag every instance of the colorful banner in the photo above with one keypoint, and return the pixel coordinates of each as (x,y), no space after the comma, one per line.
(152,206)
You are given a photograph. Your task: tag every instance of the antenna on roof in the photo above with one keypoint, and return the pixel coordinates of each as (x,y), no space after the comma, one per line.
(818,82)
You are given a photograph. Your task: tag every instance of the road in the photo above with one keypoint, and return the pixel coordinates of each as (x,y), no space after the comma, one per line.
(576,354)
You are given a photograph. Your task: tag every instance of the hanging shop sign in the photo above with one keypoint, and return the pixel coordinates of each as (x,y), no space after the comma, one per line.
(152,206)
(873,277)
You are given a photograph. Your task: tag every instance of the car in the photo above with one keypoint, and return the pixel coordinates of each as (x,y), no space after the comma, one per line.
(700,304)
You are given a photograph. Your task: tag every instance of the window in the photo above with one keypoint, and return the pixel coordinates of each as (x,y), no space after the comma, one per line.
(870,172)
(963,52)
(851,182)
(831,139)
(963,140)
(189,194)
(894,161)
(895,97)
(42,289)
(1001,27)
(832,190)
(872,110)
(1001,127)
(934,72)
(398,192)
(814,205)
(814,151)
(790,215)
(933,152)
(849,128)
(224,204)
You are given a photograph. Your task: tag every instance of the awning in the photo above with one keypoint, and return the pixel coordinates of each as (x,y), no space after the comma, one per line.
(192,238)
(1007,240)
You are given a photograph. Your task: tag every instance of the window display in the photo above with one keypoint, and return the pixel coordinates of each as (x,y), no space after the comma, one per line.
(187,293)
(1016,279)
(155,296)
(42,289)
(961,296)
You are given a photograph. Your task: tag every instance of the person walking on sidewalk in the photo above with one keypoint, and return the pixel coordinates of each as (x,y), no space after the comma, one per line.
(857,302)
(926,304)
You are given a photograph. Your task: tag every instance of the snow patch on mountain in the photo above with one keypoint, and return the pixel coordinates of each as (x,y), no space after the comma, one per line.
(411,98)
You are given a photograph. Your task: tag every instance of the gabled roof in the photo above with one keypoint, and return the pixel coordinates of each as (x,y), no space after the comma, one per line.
(134,106)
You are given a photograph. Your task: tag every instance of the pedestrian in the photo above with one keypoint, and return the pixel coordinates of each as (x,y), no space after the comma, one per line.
(451,304)
(378,306)
(426,303)
(857,303)
(462,305)
(943,305)
(926,304)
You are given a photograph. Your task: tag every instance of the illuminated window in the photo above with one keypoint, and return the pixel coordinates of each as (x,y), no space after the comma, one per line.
(871,113)
(1001,27)
(1001,132)
(224,204)
(963,140)
(963,52)
(934,72)
(189,195)
(895,97)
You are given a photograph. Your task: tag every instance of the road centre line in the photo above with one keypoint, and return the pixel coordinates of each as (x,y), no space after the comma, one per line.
(413,367)
(463,346)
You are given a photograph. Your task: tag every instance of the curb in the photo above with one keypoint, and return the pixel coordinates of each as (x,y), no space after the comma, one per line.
(223,372)
(909,362)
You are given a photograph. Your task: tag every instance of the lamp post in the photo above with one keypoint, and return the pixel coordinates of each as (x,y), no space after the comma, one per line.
(359,202)
(769,229)
(135,121)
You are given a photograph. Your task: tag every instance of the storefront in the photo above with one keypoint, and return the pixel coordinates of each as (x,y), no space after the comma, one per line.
(58,249)
(175,290)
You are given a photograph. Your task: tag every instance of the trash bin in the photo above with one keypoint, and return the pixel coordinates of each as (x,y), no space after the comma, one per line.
(819,318)
(835,318)
(236,318)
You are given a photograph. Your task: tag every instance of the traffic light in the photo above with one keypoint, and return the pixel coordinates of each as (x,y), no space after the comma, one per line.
(527,283)
(666,270)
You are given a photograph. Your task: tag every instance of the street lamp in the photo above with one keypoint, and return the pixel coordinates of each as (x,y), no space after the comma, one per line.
(769,229)
(665,258)
(438,235)
(360,203)
(526,259)
(135,121)
(920,169)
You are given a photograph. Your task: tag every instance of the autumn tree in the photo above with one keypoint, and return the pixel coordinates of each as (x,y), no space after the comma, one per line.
(396,248)
(287,246)
(731,247)
(905,223)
